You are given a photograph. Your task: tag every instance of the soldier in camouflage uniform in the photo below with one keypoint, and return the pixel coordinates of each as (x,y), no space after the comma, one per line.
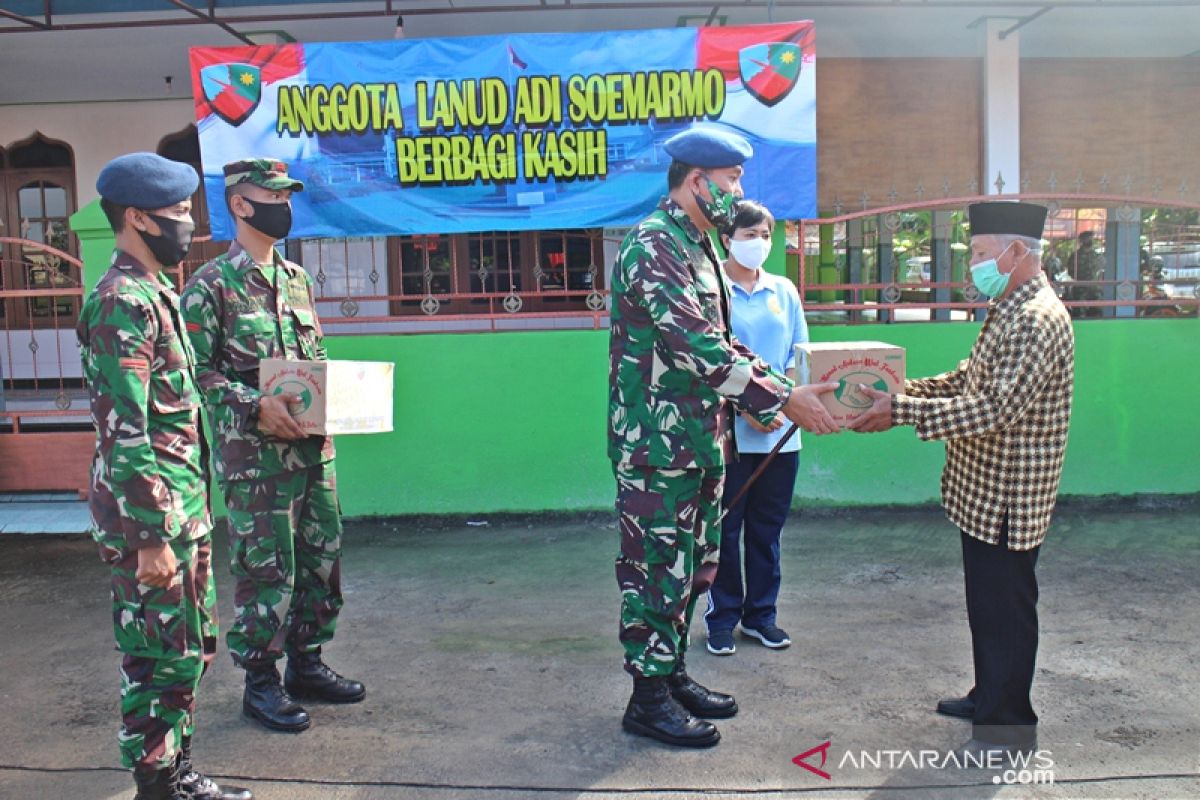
(149,490)
(674,370)
(1088,265)
(285,529)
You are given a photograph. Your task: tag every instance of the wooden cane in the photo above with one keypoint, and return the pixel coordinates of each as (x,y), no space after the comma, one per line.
(737,498)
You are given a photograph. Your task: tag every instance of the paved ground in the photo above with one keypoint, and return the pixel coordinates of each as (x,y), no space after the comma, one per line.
(493,669)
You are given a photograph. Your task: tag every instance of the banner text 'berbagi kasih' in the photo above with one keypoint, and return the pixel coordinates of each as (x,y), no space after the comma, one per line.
(475,105)
(484,136)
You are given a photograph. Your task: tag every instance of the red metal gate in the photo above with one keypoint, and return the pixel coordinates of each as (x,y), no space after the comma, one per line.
(46,437)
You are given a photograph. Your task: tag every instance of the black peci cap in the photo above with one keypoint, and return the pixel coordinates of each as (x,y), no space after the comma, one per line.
(1019,219)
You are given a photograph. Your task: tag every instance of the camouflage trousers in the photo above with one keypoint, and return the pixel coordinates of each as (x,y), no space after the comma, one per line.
(168,638)
(670,544)
(285,541)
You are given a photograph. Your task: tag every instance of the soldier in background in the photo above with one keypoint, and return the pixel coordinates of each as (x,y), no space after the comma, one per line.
(149,489)
(1087,265)
(674,368)
(285,530)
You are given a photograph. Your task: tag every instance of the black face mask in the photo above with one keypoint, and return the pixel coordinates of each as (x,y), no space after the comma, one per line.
(173,241)
(271,219)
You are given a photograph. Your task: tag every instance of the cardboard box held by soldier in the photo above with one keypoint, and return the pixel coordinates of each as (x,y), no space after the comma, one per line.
(849,364)
(336,397)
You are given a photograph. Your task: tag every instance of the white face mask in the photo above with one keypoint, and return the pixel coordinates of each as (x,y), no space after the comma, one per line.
(750,253)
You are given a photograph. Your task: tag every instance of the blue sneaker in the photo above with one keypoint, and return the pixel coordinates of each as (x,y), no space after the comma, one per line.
(771,636)
(720,643)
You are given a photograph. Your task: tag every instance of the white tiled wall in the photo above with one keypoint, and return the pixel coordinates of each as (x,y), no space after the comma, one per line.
(18,361)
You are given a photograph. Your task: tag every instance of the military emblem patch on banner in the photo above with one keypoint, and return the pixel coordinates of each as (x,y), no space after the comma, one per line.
(233,90)
(769,71)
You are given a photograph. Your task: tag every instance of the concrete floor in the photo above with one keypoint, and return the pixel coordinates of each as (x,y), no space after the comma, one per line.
(494,672)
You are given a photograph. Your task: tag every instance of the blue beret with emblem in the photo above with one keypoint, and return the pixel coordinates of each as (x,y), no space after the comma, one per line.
(147,181)
(711,148)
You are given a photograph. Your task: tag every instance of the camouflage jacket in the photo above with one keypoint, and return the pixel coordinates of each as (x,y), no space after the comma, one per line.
(673,362)
(149,481)
(237,316)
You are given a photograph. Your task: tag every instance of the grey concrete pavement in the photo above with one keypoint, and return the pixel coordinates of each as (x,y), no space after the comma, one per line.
(493,669)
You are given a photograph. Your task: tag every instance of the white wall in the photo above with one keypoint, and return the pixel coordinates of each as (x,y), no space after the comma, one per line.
(97,132)
(1001,109)
(18,361)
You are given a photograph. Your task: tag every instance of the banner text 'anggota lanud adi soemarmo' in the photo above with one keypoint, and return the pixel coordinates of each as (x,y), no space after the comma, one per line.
(519,132)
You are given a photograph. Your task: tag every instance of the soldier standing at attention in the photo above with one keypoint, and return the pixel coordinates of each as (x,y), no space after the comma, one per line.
(149,489)
(674,369)
(285,531)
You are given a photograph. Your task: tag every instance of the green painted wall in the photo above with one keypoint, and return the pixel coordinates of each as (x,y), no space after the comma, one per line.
(484,422)
(1126,437)
(95,242)
(516,421)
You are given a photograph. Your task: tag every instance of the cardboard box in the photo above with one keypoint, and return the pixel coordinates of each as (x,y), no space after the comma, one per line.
(875,364)
(335,396)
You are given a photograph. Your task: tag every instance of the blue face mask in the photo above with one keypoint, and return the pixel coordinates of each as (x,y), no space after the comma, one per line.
(987,277)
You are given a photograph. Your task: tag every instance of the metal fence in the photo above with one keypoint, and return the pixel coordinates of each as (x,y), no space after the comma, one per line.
(1107,256)
(897,263)
(41,291)
(463,283)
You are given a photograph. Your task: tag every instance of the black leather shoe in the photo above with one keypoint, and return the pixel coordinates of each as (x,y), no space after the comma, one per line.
(309,678)
(977,754)
(266,701)
(197,786)
(654,713)
(701,702)
(157,784)
(961,707)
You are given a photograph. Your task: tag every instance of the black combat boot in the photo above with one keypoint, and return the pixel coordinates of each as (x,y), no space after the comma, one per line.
(197,786)
(157,784)
(308,677)
(266,701)
(701,702)
(653,712)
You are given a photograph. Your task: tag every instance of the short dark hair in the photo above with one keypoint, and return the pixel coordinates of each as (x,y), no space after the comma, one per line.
(114,213)
(749,213)
(677,172)
(230,191)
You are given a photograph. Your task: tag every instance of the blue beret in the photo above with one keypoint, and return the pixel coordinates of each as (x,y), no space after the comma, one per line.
(710,148)
(147,181)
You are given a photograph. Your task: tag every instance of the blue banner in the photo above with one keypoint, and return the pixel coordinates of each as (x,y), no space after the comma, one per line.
(519,132)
